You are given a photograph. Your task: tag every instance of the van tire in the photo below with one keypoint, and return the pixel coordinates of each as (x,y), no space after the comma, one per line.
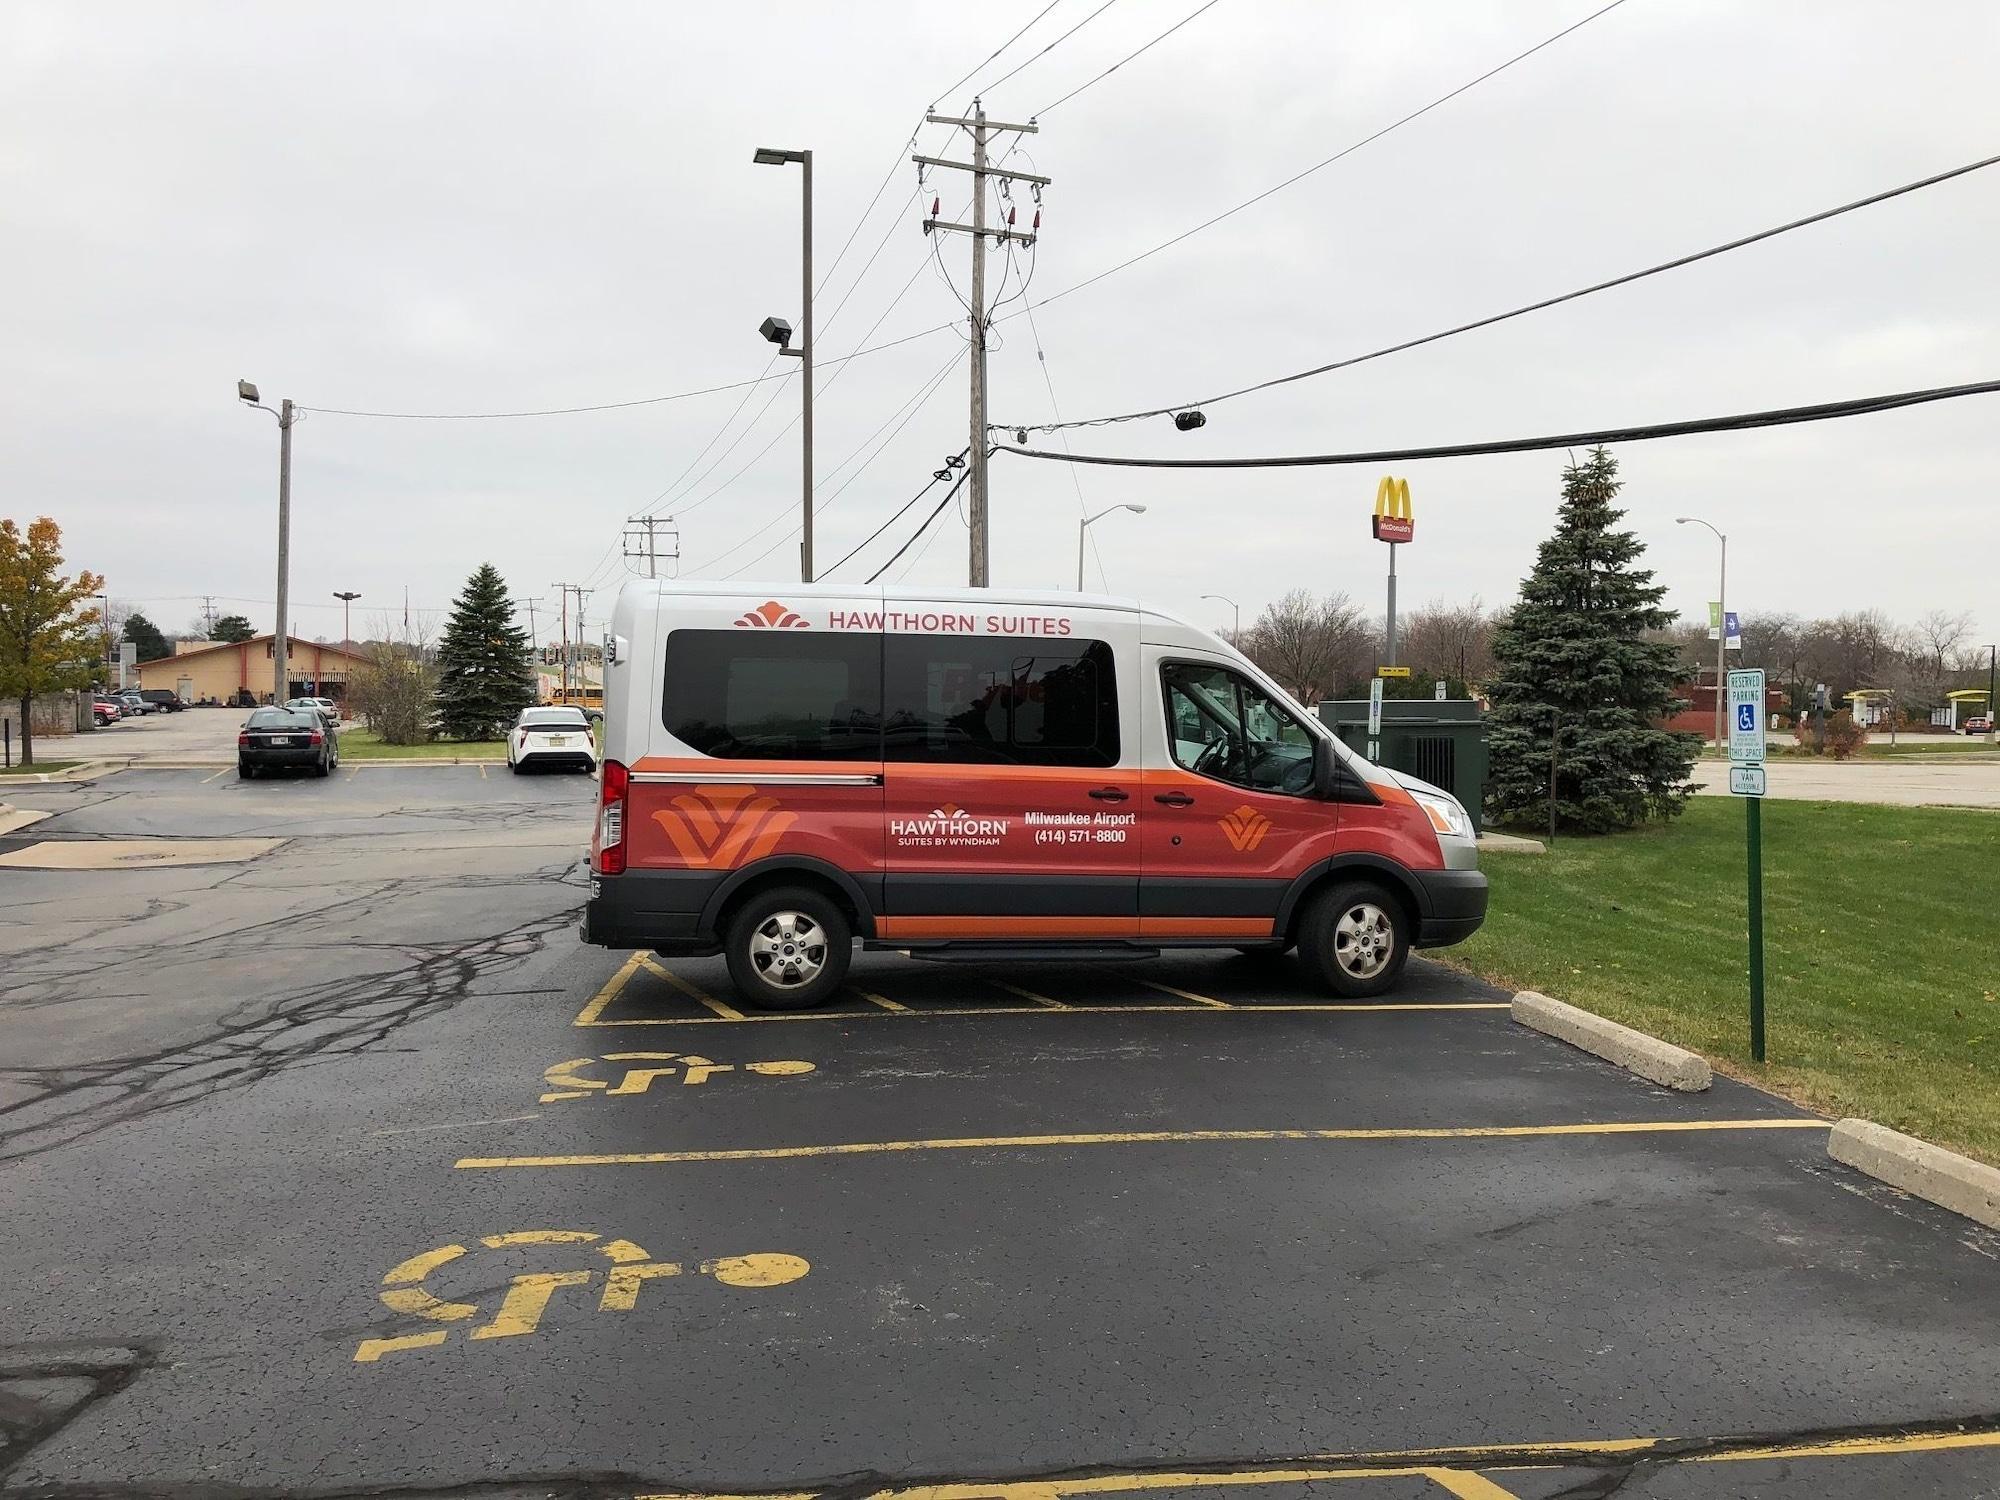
(788,948)
(1356,937)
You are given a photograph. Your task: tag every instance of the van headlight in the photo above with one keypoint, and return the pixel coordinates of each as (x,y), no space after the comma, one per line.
(1445,814)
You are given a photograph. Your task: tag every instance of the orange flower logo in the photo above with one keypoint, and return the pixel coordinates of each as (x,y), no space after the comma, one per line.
(772,613)
(721,827)
(1245,828)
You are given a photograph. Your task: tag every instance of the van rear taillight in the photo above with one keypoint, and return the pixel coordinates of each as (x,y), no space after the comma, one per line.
(610,842)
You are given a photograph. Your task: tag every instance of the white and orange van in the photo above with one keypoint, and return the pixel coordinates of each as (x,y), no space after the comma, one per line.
(989,774)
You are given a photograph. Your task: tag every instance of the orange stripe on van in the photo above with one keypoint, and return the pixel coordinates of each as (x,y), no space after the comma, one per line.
(1205,927)
(1005,927)
(1226,928)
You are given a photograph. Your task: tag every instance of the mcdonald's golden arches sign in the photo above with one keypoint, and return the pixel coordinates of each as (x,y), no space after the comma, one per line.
(1392,511)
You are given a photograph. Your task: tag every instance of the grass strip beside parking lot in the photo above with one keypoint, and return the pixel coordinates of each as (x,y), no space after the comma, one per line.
(38,768)
(357,743)
(1882,939)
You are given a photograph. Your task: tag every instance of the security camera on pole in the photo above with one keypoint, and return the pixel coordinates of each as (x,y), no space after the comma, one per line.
(1394,526)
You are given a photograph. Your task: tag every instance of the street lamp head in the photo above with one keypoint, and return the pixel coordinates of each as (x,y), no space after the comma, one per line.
(245,391)
(776,331)
(771,156)
(1139,509)
(1682,520)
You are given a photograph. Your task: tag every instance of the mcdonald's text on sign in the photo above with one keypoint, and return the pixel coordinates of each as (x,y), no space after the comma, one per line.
(1392,511)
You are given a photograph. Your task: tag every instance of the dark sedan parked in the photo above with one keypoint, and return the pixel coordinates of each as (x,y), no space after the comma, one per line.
(286,738)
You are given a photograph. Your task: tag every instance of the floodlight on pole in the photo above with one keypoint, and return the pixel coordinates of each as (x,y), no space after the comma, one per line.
(772,156)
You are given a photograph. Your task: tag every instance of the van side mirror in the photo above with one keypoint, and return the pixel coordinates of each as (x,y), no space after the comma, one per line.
(1325,768)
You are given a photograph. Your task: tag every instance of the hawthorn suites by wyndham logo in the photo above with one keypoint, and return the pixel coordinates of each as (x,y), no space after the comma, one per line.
(949,824)
(773,615)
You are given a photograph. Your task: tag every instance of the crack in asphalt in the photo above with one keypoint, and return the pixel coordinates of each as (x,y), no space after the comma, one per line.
(259,1038)
(1610,1469)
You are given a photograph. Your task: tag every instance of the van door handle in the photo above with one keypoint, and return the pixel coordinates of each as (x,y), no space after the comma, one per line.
(1108,793)
(1175,799)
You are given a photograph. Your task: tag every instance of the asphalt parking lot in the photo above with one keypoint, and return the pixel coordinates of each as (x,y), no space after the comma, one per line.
(343,1169)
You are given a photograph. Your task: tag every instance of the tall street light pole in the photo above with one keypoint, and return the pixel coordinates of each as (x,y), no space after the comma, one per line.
(346,621)
(280,669)
(1721,623)
(766,156)
(1083,526)
(1236,634)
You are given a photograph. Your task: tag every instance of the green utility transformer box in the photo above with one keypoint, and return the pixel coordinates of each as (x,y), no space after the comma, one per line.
(1439,740)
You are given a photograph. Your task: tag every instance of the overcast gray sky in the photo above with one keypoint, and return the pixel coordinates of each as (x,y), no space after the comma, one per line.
(495,206)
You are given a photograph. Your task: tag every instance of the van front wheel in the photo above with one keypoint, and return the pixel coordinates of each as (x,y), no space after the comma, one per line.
(788,949)
(1356,936)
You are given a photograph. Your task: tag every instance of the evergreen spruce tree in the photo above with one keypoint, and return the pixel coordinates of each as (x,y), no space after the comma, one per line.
(484,674)
(1573,661)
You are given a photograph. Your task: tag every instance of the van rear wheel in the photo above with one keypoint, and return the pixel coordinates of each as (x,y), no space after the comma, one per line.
(788,949)
(1356,937)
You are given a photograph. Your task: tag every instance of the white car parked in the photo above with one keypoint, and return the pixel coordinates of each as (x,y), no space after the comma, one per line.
(551,737)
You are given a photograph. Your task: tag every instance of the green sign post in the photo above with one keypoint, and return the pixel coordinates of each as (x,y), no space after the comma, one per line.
(1746,780)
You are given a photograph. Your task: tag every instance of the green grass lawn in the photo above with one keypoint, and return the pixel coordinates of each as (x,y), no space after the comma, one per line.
(357,743)
(38,767)
(1882,951)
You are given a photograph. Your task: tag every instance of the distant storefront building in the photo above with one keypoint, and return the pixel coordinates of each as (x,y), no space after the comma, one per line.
(225,670)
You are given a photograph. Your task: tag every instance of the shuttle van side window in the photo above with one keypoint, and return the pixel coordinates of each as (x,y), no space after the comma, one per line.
(789,695)
(1225,727)
(999,700)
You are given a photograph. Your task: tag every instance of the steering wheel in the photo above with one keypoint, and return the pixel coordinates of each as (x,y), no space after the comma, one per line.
(1298,777)
(1214,758)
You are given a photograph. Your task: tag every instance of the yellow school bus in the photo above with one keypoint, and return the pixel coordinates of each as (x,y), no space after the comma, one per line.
(589,699)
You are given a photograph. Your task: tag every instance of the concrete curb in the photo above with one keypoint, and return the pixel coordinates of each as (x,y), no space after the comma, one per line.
(14,819)
(1510,843)
(1649,1057)
(1966,1187)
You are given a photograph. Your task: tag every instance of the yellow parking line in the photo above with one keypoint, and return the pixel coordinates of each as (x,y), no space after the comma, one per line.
(217,776)
(589,1014)
(1449,1467)
(882,1000)
(1051,1009)
(693,992)
(1167,989)
(1043,1000)
(1141,1138)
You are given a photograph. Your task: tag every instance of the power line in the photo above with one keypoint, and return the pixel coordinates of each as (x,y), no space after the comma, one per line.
(925,389)
(1547,302)
(1076,483)
(1124,60)
(947,92)
(1782,417)
(901,511)
(949,496)
(1051,46)
(917,404)
(1346,151)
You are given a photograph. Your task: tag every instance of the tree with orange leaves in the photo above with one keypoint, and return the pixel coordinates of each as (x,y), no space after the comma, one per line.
(47,642)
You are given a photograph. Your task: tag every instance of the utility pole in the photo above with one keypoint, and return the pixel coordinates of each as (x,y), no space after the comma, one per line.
(208,615)
(1389,630)
(346,620)
(978,572)
(247,393)
(649,549)
(563,589)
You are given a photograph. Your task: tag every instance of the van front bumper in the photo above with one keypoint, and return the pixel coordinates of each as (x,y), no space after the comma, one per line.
(1454,904)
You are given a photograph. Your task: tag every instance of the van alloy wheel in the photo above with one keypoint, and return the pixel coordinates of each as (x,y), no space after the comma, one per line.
(1363,940)
(789,949)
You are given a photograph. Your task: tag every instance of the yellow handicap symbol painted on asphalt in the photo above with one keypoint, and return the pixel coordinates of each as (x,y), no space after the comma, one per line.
(527,1296)
(567,1081)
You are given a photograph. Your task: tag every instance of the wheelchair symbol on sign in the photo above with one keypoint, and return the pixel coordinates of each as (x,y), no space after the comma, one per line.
(1746,717)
